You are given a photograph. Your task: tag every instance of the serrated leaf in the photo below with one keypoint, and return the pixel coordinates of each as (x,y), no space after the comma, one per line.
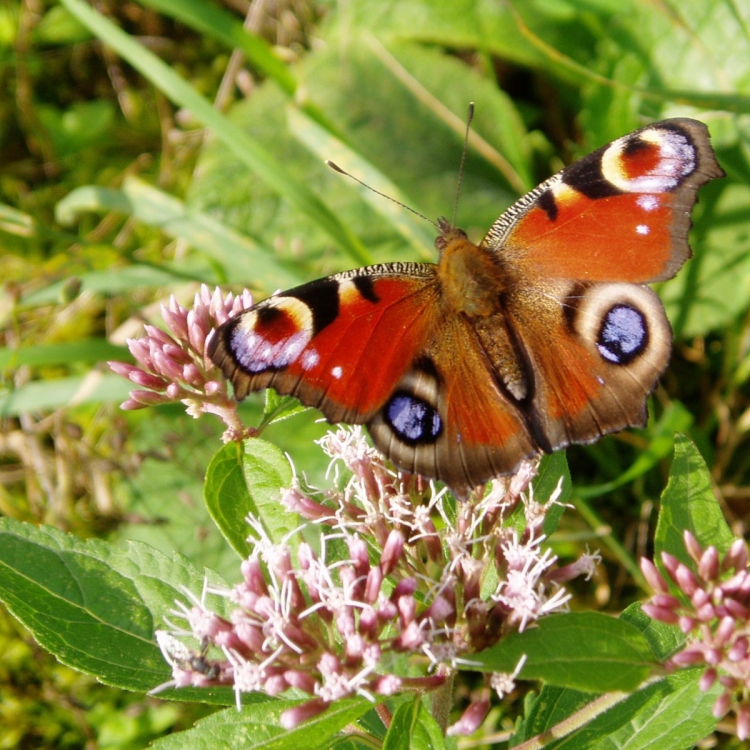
(96,606)
(664,639)
(256,727)
(688,503)
(246,479)
(412,728)
(278,408)
(583,650)
(671,713)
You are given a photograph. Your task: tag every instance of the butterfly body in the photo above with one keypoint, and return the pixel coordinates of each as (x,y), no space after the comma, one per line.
(541,336)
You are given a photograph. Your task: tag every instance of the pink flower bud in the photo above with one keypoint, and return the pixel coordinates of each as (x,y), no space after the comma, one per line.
(743,721)
(471,719)
(148,398)
(661,613)
(121,368)
(722,704)
(372,584)
(293,717)
(708,566)
(158,337)
(692,546)
(192,375)
(300,680)
(670,562)
(736,557)
(405,587)
(707,679)
(713,656)
(175,319)
(653,577)
(358,555)
(665,601)
(724,632)
(739,649)
(687,657)
(439,611)
(687,624)
(392,551)
(407,608)
(296,502)
(252,572)
(734,584)
(132,405)
(686,579)
(167,366)
(275,684)
(140,351)
(706,613)
(174,392)
(147,380)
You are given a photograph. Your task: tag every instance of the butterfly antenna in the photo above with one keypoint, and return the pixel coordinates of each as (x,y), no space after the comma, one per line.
(337,168)
(469,118)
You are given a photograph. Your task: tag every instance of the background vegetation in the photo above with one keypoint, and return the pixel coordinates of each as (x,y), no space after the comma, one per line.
(163,148)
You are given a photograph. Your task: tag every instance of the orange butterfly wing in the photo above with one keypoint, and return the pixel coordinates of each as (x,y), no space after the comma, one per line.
(540,337)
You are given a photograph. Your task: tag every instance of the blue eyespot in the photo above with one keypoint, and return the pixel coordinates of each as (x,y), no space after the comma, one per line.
(412,419)
(623,335)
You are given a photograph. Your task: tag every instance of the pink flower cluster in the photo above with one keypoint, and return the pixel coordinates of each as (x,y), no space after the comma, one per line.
(712,609)
(173,367)
(340,623)
(400,585)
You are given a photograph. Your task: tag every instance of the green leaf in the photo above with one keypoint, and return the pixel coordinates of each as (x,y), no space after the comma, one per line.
(412,728)
(96,606)
(257,727)
(671,713)
(583,650)
(246,479)
(688,503)
(278,408)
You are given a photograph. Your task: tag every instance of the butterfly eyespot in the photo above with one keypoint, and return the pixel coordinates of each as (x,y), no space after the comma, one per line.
(623,334)
(412,419)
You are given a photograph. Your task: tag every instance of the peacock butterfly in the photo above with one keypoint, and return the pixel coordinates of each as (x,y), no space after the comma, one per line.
(541,336)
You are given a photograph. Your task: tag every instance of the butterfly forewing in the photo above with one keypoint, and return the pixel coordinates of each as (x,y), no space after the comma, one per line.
(620,214)
(337,344)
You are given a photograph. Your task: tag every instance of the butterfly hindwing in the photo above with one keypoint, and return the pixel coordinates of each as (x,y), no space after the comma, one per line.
(448,416)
